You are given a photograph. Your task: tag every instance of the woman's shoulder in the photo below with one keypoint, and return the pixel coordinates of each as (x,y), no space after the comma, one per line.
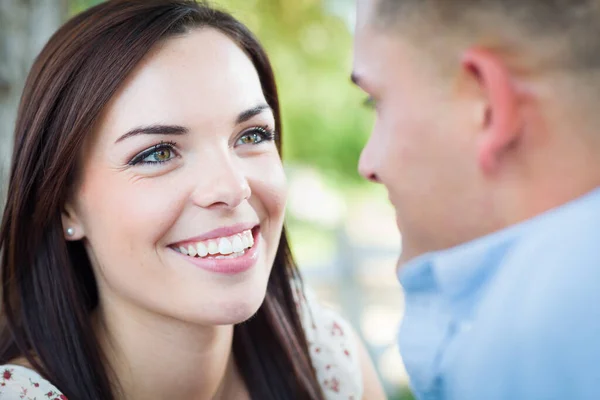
(19,382)
(333,346)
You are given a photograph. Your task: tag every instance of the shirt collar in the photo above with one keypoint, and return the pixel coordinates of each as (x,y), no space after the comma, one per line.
(459,269)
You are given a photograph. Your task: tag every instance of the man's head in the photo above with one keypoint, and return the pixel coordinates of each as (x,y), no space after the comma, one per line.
(486,110)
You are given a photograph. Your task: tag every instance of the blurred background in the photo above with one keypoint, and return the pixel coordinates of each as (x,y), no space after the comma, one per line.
(342,229)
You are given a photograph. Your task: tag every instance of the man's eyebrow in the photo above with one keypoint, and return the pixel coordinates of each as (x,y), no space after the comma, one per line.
(154,130)
(251,112)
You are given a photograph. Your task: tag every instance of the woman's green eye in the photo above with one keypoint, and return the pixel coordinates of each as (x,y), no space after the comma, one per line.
(160,155)
(256,136)
(250,138)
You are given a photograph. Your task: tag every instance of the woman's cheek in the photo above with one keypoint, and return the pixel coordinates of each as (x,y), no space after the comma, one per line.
(268,182)
(124,207)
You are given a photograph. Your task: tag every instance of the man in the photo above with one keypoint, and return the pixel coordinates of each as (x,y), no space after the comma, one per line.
(488,140)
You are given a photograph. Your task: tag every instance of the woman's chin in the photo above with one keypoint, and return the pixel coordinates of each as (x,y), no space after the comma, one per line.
(232,314)
(225,312)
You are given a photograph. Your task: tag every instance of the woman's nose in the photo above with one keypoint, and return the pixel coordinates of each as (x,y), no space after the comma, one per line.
(223,183)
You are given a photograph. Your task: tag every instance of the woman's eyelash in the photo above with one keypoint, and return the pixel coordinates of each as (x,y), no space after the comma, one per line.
(260,133)
(168,146)
(265,134)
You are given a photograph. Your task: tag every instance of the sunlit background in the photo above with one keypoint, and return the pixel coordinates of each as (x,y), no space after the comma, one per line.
(342,229)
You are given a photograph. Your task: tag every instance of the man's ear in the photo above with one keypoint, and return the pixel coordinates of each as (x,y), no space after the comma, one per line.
(499,115)
(71,222)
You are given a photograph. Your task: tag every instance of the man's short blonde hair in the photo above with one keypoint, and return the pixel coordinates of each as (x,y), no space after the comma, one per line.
(563,32)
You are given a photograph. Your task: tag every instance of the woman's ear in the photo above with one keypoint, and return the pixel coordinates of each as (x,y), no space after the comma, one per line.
(72,226)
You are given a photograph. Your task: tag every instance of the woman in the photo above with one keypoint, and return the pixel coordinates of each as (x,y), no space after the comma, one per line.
(142,247)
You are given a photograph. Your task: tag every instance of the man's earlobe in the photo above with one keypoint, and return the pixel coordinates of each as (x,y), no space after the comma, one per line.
(500,118)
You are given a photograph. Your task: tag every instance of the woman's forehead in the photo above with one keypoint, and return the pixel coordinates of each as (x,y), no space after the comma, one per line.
(200,78)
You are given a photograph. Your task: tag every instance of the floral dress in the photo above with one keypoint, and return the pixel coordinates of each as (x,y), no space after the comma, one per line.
(23,383)
(332,344)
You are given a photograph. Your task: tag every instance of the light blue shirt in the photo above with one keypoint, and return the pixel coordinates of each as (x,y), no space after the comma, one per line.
(514,315)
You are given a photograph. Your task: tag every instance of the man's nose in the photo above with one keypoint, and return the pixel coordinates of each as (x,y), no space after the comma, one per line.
(367,164)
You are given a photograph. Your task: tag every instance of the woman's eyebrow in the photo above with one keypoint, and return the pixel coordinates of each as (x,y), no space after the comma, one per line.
(159,129)
(154,130)
(251,112)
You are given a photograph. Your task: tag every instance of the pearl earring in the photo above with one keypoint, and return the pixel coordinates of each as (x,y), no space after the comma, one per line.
(70,231)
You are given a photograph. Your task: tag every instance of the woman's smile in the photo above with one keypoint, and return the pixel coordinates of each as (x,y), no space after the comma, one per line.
(221,251)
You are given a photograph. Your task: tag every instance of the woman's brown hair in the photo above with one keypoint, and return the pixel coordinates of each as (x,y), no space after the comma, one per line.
(48,287)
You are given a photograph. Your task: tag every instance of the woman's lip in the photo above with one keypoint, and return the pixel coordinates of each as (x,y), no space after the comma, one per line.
(228,266)
(217,233)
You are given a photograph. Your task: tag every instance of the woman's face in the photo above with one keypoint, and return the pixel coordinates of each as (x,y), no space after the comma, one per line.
(181,195)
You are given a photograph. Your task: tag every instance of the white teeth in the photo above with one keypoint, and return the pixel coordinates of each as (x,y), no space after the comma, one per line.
(202,250)
(233,255)
(248,237)
(225,246)
(230,246)
(213,247)
(237,245)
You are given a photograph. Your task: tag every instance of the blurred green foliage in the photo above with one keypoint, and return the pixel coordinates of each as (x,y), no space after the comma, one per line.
(325,125)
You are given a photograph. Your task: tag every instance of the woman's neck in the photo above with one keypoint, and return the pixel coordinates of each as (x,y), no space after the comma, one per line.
(157,357)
